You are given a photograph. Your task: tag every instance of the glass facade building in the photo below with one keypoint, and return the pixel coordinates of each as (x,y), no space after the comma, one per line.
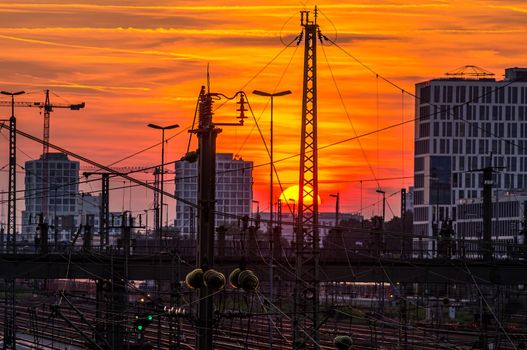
(463,125)
(234,194)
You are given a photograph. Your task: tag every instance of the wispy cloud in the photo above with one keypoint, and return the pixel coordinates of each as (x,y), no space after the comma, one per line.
(171,55)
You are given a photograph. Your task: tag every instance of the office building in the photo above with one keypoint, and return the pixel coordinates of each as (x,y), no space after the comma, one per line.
(62,194)
(234,194)
(508,210)
(466,122)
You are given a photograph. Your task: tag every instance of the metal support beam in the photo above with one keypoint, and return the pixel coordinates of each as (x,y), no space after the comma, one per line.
(487,214)
(9,315)
(45,164)
(11,200)
(104,221)
(207,133)
(100,319)
(158,224)
(43,234)
(118,304)
(307,289)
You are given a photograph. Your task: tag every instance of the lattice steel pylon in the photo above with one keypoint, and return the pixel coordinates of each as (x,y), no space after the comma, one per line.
(306,293)
(158,221)
(9,292)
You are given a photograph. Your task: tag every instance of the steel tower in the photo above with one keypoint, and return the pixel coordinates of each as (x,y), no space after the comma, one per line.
(306,294)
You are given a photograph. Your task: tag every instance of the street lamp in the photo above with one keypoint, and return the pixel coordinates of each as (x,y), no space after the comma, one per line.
(272,96)
(294,206)
(257,207)
(12,94)
(383,205)
(337,197)
(162,128)
(166,216)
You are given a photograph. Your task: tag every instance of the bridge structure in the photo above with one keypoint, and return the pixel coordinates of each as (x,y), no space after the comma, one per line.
(355,266)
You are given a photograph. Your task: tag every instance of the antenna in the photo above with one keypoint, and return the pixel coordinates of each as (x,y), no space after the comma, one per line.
(208,77)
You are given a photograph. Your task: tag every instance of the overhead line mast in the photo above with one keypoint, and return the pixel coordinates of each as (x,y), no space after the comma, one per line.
(307,283)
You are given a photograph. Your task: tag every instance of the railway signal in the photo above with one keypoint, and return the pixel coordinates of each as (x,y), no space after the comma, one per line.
(142,321)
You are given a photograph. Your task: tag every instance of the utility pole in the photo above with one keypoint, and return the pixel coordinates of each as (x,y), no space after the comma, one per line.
(306,313)
(157,217)
(487,213)
(104,211)
(207,133)
(9,311)
(403,222)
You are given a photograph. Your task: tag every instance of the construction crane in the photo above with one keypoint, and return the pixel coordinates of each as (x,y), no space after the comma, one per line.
(48,107)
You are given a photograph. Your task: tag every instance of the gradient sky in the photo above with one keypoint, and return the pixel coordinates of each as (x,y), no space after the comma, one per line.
(135,63)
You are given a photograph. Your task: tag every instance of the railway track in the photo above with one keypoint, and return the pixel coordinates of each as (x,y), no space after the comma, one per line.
(42,330)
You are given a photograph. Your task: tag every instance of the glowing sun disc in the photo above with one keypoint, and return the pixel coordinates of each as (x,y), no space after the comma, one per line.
(290,194)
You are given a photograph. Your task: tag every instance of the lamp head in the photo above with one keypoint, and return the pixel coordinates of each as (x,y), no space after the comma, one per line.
(283,93)
(154,126)
(262,93)
(12,93)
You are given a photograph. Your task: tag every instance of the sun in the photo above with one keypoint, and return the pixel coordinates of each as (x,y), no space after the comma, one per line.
(290,194)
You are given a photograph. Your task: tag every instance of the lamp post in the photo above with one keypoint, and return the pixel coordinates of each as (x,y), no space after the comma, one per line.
(162,128)
(271,95)
(257,207)
(337,200)
(166,215)
(12,94)
(383,205)
(294,206)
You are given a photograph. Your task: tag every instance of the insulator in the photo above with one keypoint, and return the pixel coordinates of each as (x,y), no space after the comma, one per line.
(194,278)
(233,278)
(248,280)
(214,280)
(343,342)
(242,109)
(205,109)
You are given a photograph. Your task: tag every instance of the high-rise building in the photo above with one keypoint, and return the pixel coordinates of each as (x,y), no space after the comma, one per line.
(62,194)
(466,122)
(234,192)
(508,219)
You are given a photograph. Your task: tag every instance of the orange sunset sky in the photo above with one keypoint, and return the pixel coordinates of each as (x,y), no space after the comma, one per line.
(137,62)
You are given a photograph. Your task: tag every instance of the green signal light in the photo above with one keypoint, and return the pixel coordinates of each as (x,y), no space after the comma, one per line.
(150,317)
(139,328)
